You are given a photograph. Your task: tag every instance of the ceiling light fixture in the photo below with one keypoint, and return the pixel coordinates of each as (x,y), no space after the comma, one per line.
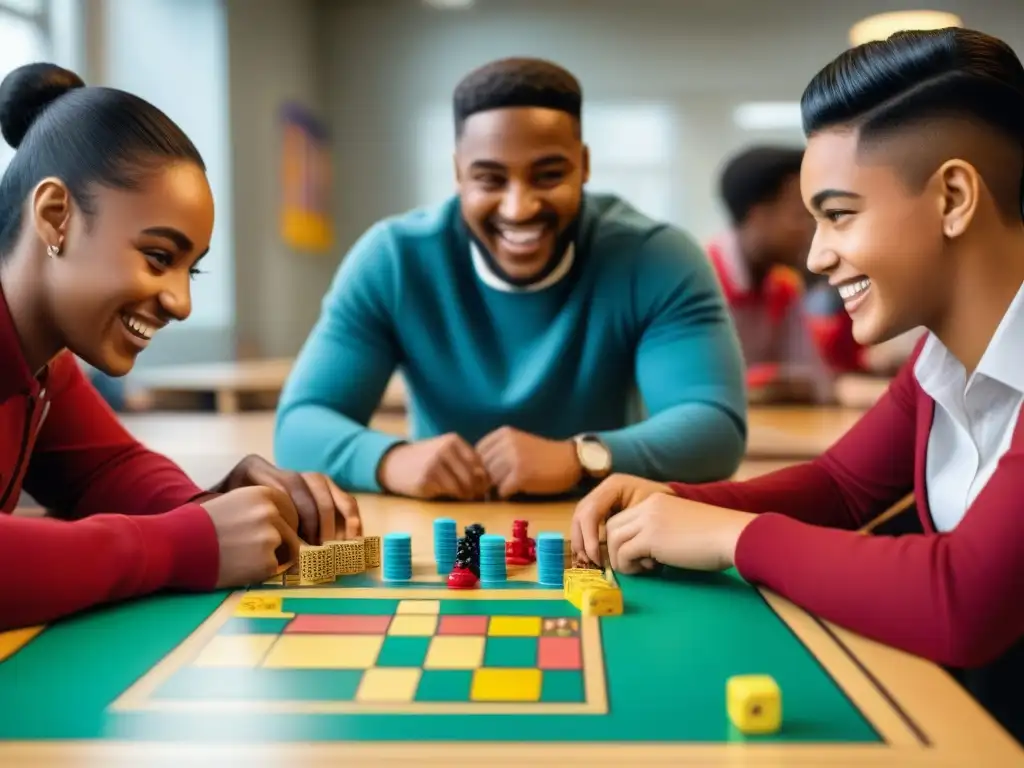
(882,25)
(767,115)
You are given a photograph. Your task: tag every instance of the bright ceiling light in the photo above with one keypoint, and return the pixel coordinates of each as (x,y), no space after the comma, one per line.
(884,24)
(449,4)
(767,115)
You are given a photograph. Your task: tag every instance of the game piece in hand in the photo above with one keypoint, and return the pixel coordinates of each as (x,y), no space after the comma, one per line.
(521,550)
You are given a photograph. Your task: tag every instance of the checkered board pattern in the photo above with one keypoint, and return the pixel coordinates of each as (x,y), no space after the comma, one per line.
(370,654)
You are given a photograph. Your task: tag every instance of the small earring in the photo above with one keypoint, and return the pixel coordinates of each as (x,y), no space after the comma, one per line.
(53,251)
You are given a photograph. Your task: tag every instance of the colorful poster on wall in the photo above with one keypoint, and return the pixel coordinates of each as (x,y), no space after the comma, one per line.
(306,217)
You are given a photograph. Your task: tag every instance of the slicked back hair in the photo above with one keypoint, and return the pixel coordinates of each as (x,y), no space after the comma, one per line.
(516,82)
(886,86)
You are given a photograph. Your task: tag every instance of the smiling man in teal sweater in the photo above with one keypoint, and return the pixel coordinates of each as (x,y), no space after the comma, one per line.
(524,315)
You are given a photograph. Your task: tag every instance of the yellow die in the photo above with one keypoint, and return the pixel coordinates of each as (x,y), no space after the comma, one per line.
(754,703)
(600,601)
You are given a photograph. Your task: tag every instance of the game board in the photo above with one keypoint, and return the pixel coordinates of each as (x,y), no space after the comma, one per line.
(394,651)
(363,662)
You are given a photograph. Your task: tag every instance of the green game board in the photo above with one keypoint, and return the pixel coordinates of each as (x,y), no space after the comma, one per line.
(361,664)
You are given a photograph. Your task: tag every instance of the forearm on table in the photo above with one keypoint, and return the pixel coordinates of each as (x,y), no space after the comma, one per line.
(697,442)
(128,477)
(56,568)
(315,438)
(947,600)
(806,492)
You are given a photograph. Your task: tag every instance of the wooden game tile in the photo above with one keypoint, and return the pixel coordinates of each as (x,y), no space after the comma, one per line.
(559,653)
(389,684)
(333,624)
(324,652)
(497,684)
(234,651)
(462,625)
(455,652)
(413,626)
(514,626)
(419,607)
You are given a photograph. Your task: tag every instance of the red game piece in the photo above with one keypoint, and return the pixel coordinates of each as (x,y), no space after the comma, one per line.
(462,578)
(521,550)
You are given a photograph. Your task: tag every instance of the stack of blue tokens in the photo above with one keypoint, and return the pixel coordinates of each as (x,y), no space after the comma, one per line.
(492,559)
(550,559)
(397,557)
(445,543)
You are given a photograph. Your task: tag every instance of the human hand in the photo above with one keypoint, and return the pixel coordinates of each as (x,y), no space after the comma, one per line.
(325,512)
(668,530)
(256,534)
(519,462)
(614,494)
(442,467)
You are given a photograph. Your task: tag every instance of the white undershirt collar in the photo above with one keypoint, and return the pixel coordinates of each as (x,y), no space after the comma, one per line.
(491,279)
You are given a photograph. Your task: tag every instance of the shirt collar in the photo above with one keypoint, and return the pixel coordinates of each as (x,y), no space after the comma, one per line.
(490,278)
(15,376)
(936,368)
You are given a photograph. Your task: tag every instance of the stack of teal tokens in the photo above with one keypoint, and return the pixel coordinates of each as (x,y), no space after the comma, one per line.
(492,559)
(397,557)
(550,559)
(445,543)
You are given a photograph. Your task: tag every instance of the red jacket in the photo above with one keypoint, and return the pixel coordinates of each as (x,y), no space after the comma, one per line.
(122,523)
(954,598)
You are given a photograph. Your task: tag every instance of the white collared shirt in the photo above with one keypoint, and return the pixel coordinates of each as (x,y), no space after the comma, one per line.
(974,419)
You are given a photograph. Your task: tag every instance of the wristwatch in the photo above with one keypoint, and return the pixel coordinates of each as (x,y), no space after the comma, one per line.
(594,456)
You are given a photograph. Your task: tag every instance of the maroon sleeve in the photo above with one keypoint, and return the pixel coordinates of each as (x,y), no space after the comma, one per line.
(868,470)
(953,598)
(85,462)
(56,568)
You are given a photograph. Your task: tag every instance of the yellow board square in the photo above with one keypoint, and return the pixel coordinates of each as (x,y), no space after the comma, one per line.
(455,652)
(496,684)
(389,684)
(514,626)
(234,651)
(258,604)
(419,607)
(325,652)
(413,626)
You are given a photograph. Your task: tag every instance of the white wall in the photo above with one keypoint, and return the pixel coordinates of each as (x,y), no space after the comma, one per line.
(174,53)
(661,81)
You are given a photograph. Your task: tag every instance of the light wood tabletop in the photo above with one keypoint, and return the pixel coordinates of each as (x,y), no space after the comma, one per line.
(210,444)
(921,716)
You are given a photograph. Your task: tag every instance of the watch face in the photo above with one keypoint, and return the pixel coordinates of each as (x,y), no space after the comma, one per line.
(594,456)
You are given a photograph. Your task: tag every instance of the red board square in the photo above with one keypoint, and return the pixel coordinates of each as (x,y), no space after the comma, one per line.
(462,625)
(559,653)
(327,624)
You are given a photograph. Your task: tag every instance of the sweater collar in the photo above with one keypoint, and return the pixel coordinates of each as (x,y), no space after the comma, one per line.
(15,376)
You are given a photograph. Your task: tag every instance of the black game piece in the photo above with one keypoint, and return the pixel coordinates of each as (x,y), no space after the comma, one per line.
(464,557)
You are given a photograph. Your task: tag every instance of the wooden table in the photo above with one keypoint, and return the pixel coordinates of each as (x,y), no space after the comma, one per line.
(920,716)
(229,381)
(796,432)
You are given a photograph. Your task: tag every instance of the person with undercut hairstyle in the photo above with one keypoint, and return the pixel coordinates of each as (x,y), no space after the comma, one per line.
(524,315)
(913,171)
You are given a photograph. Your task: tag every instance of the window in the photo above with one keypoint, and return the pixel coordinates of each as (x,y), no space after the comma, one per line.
(22,41)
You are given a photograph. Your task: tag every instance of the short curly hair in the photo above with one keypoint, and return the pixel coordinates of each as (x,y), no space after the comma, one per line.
(756,175)
(516,82)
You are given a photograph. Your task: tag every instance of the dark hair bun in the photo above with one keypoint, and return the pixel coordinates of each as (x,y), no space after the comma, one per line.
(26,92)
